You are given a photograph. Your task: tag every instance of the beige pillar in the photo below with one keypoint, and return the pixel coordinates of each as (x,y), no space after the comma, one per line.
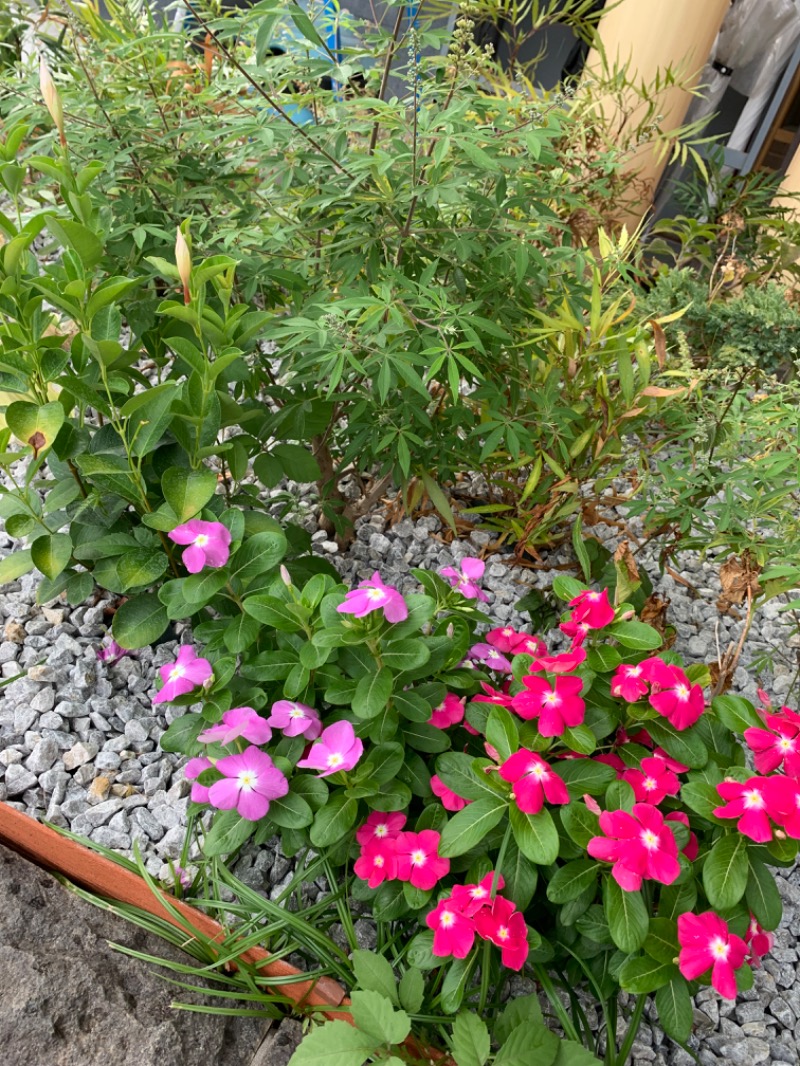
(790,186)
(650,37)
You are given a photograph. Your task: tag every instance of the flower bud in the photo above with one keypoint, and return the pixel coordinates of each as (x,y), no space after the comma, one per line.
(626,616)
(779,834)
(52,100)
(183,260)
(286,577)
(450,631)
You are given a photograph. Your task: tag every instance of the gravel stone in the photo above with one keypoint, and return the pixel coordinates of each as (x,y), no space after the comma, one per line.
(18,779)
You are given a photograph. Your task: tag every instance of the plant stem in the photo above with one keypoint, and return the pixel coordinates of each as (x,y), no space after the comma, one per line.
(550,991)
(486,961)
(630,1036)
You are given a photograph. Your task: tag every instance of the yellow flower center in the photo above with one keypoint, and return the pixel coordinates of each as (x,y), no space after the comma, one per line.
(719,949)
(447,919)
(336,759)
(682,692)
(538,771)
(650,783)
(374,594)
(381,830)
(418,858)
(247,780)
(649,839)
(297,712)
(176,672)
(785,744)
(552,699)
(379,861)
(503,933)
(753,799)
(201,540)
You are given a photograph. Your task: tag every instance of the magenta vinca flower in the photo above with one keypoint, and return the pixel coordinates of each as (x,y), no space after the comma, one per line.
(672,693)
(377,862)
(338,748)
(707,944)
(759,942)
(750,803)
(629,683)
(778,746)
(654,782)
(533,780)
(208,544)
(592,609)
(783,802)
(557,706)
(251,781)
(295,719)
(418,859)
(238,722)
(525,644)
(564,663)
(191,772)
(640,846)
(450,800)
(380,826)
(453,931)
(111,653)
(469,899)
(373,595)
(183,676)
(466,578)
(504,925)
(503,639)
(449,712)
(493,695)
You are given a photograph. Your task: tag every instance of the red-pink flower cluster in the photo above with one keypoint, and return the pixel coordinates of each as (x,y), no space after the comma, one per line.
(639,845)
(473,910)
(388,854)
(590,610)
(667,688)
(534,781)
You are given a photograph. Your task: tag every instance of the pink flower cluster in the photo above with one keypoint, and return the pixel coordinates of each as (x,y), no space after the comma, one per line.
(473,910)
(465,579)
(639,844)
(389,854)
(668,690)
(207,544)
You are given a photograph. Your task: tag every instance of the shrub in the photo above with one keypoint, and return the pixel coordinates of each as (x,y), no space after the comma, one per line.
(579,804)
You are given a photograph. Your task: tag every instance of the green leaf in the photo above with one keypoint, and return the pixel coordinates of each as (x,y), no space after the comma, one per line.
(636,635)
(35,425)
(725,871)
(674,1006)
(521,876)
(188,491)
(290,811)
(603,658)
(584,775)
(468,827)
(502,732)
(662,940)
(580,823)
(373,692)
(51,553)
(641,976)
(572,880)
(455,985)
(334,1044)
(335,819)
(701,798)
(374,1015)
(456,770)
(69,234)
(374,971)
(536,835)
(567,588)
(228,833)
(761,894)
(626,915)
(258,554)
(571,1053)
(528,1046)
(298,463)
(405,655)
(270,611)
(139,622)
(140,567)
(684,745)
(736,713)
(412,990)
(523,1010)
(241,633)
(470,1040)
(181,735)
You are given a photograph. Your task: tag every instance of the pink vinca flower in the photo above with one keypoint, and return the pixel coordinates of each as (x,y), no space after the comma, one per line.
(377,862)
(493,695)
(533,780)
(251,781)
(640,846)
(208,544)
(418,859)
(450,801)
(525,644)
(783,802)
(759,941)
(503,639)
(579,631)
(629,683)
(471,898)
(504,925)
(564,663)
(380,826)
(238,722)
(183,676)
(295,719)
(613,760)
(592,608)
(707,944)
(449,712)
(338,748)
(673,695)
(776,747)
(453,931)
(466,579)
(373,595)
(654,782)
(111,653)
(692,849)
(490,657)
(557,706)
(191,772)
(749,803)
